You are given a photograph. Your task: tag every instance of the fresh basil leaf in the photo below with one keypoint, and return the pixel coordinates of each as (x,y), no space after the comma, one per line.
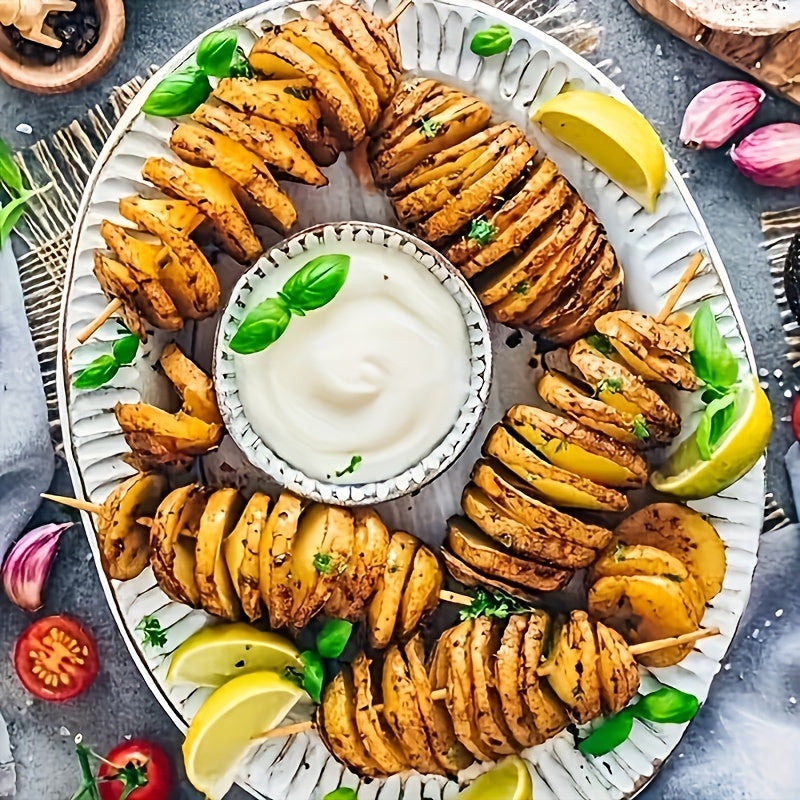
(711,357)
(611,733)
(716,419)
(261,327)
(100,371)
(495,39)
(313,674)
(179,93)
(315,284)
(333,638)
(215,53)
(240,66)
(342,793)
(9,171)
(667,705)
(10,215)
(125,349)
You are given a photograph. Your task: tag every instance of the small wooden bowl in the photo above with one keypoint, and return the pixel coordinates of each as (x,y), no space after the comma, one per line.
(69,72)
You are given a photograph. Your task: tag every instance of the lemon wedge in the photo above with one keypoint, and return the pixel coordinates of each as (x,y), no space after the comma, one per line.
(613,136)
(687,476)
(509,780)
(221,733)
(214,655)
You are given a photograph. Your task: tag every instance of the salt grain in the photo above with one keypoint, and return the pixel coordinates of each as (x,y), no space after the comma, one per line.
(659,51)
(779,612)
(23,127)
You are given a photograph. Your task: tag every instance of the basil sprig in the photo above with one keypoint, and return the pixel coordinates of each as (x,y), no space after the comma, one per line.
(105,367)
(342,793)
(495,39)
(333,638)
(330,643)
(218,56)
(12,182)
(667,705)
(311,287)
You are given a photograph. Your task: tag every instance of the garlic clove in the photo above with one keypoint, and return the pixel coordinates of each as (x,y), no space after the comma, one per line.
(28,564)
(718,111)
(770,156)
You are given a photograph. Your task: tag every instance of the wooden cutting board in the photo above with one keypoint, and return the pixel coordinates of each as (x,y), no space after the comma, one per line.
(773,61)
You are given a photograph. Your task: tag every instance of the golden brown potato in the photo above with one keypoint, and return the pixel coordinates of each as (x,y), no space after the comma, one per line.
(356,584)
(275,558)
(217,593)
(174,527)
(211,191)
(643,608)
(193,386)
(124,542)
(178,215)
(384,36)
(617,670)
(401,711)
(421,592)
(684,534)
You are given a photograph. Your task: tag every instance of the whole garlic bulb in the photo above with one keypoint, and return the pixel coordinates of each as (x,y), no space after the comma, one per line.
(770,156)
(718,111)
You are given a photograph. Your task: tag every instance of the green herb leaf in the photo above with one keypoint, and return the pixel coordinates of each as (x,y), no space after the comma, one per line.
(350,468)
(322,563)
(482,231)
(302,93)
(179,93)
(611,733)
(10,215)
(429,127)
(9,171)
(600,343)
(667,705)
(215,53)
(240,66)
(313,674)
(496,604)
(342,793)
(125,349)
(711,357)
(718,416)
(521,288)
(333,638)
(640,430)
(261,327)
(495,39)
(315,284)
(100,371)
(152,633)
(610,385)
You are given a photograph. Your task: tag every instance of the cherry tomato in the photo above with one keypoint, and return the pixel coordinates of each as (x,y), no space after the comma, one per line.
(56,658)
(138,763)
(796,417)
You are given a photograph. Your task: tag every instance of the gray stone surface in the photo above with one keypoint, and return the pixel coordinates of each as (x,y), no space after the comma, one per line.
(741,744)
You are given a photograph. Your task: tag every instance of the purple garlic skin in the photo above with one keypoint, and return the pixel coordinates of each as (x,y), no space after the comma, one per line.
(770,156)
(717,112)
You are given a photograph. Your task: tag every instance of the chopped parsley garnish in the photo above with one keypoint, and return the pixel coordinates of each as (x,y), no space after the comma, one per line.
(640,427)
(350,468)
(429,127)
(493,604)
(303,93)
(481,231)
(610,385)
(322,563)
(600,343)
(152,633)
(521,287)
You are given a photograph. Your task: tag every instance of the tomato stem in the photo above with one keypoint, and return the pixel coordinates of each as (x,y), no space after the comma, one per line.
(88,788)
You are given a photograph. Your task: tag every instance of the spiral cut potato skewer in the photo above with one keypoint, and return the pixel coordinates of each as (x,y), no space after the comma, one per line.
(489,689)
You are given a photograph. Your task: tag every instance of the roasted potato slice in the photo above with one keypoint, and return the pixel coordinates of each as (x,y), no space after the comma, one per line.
(643,332)
(174,527)
(241,554)
(617,670)
(643,608)
(449,753)
(384,36)
(546,710)
(193,386)
(178,215)
(489,718)
(276,144)
(124,542)
(355,586)
(291,103)
(469,543)
(510,494)
(383,609)
(401,710)
(202,147)
(682,533)
(275,558)
(507,669)
(211,191)
(336,718)
(187,275)
(379,740)
(217,593)
(571,668)
(552,483)
(321,550)
(566,444)
(421,592)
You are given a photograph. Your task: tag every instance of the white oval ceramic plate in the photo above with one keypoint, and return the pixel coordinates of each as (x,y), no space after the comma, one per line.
(653,248)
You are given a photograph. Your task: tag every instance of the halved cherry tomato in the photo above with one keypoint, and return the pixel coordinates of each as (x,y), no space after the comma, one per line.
(138,763)
(796,417)
(56,658)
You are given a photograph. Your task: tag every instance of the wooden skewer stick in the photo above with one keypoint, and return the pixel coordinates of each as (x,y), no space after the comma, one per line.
(397,13)
(92,328)
(675,294)
(74,502)
(659,644)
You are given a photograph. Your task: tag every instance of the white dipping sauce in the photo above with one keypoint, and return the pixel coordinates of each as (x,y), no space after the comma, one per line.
(381,372)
